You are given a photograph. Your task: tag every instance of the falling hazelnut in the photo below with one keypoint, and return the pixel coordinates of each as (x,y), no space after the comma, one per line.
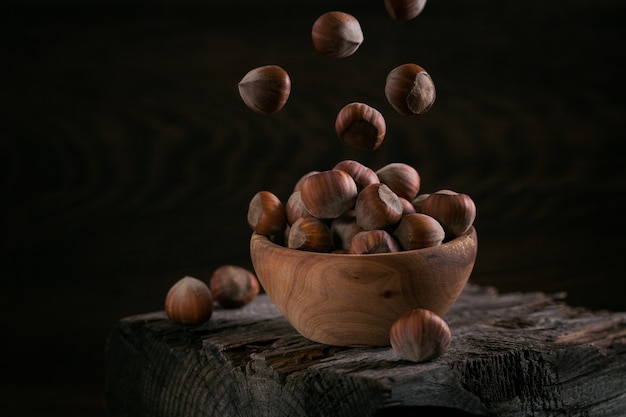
(233,286)
(410,90)
(404,10)
(265,89)
(336,34)
(360,126)
(419,336)
(189,301)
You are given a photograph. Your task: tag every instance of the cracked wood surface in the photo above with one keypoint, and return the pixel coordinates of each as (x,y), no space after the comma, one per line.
(513,354)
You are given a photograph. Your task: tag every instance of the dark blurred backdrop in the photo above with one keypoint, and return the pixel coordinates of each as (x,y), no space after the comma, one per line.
(128,159)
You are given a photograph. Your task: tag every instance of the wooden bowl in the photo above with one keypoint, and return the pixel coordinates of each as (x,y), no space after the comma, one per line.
(352,300)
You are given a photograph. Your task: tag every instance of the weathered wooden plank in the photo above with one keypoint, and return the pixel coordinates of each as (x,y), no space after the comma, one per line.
(513,354)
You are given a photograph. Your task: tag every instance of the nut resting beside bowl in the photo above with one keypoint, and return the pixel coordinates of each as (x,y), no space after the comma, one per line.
(353,300)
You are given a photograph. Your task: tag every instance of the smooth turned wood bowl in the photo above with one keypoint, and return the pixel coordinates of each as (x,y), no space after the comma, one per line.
(352,300)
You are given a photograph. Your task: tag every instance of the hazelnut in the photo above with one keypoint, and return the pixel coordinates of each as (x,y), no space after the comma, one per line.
(189,301)
(342,229)
(266,214)
(373,241)
(298,185)
(419,336)
(265,89)
(377,207)
(311,234)
(418,201)
(336,34)
(328,194)
(362,175)
(407,206)
(295,208)
(404,10)
(360,126)
(233,286)
(403,179)
(455,211)
(410,90)
(418,230)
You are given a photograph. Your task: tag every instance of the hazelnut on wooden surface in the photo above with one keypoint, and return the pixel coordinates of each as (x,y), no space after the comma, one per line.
(265,89)
(403,179)
(189,301)
(419,336)
(410,90)
(360,126)
(373,241)
(404,10)
(266,214)
(362,175)
(377,207)
(328,194)
(233,286)
(311,234)
(455,211)
(418,230)
(336,34)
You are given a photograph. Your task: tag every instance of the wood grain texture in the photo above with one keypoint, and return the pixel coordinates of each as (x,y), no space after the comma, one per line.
(511,355)
(352,300)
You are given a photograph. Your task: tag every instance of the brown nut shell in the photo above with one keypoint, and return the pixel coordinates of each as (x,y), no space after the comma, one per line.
(410,90)
(377,207)
(233,286)
(295,208)
(343,229)
(360,126)
(336,34)
(403,179)
(419,336)
(417,231)
(265,89)
(328,194)
(373,241)
(266,214)
(189,301)
(404,10)
(362,175)
(455,211)
(310,234)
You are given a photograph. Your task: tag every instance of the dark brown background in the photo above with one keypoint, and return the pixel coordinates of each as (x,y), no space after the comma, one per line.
(128,158)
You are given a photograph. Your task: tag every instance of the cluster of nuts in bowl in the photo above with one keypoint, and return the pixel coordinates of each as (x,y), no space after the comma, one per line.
(354,209)
(349,208)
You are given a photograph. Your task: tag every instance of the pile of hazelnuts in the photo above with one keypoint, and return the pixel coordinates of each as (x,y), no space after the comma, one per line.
(354,209)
